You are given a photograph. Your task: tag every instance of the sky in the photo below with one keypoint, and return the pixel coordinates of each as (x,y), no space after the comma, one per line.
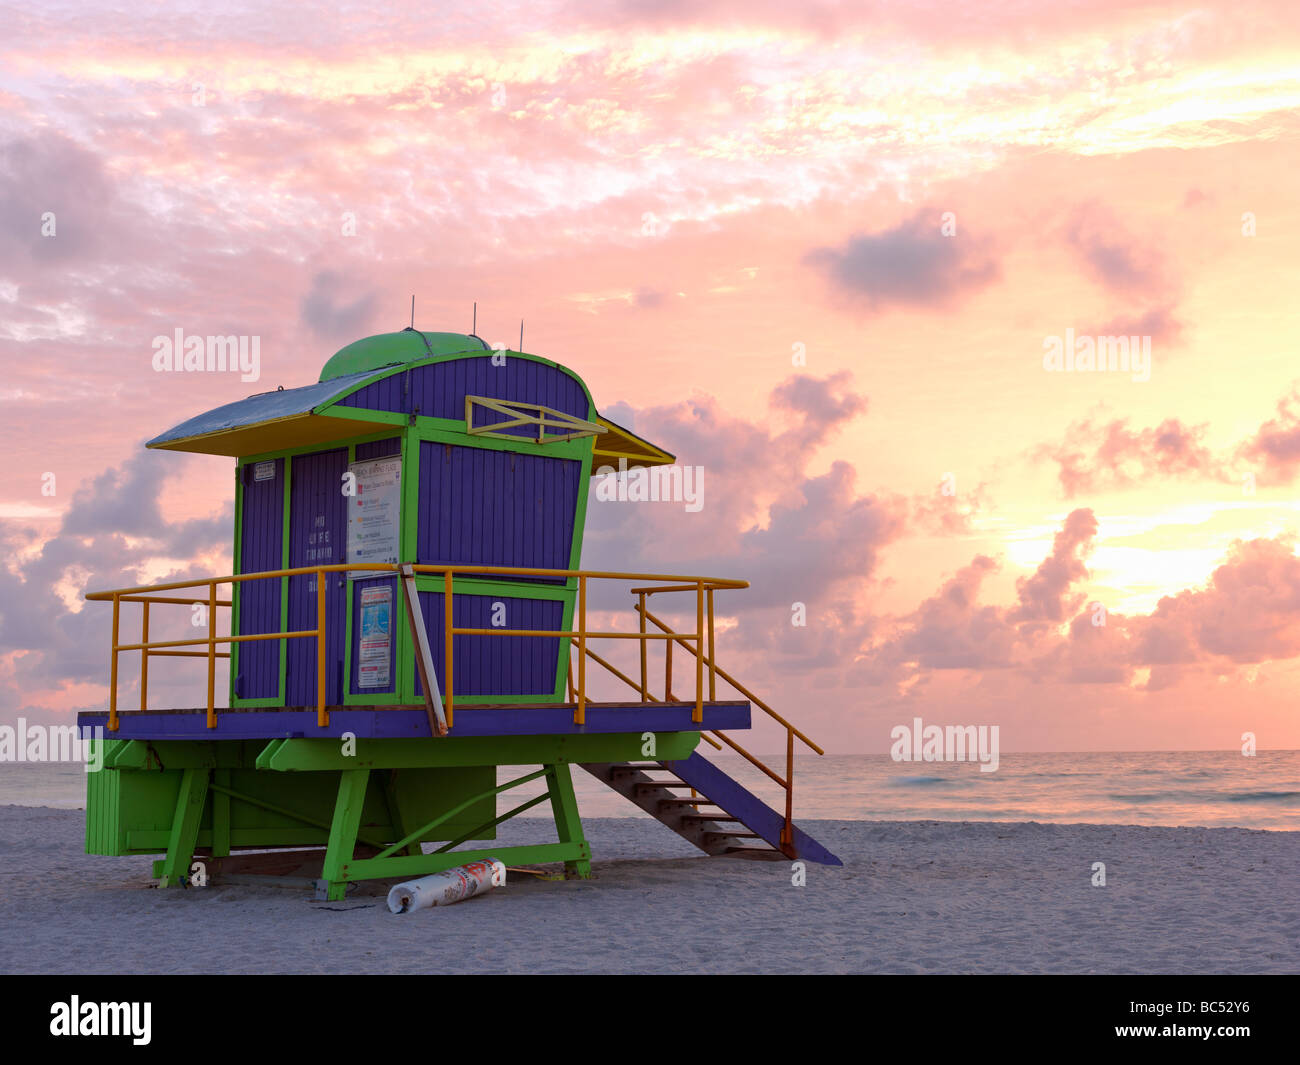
(827,253)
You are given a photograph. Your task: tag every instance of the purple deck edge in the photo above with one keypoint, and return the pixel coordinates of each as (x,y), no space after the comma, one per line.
(539,720)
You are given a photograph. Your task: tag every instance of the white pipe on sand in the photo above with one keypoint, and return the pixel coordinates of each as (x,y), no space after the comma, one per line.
(442,889)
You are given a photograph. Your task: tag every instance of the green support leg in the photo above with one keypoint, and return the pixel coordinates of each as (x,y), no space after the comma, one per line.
(185,827)
(343,832)
(220,814)
(387,781)
(568,824)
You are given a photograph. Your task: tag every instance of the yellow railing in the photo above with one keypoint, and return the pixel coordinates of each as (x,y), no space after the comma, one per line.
(699,643)
(791,733)
(146,595)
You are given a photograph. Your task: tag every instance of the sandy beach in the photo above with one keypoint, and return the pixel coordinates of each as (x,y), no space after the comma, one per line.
(912,897)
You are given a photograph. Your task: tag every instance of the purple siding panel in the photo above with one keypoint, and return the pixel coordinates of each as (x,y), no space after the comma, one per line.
(494,665)
(438,390)
(378,449)
(317,535)
(260,548)
(495,508)
(388,393)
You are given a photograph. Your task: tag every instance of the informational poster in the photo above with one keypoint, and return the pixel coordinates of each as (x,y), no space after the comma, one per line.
(374,512)
(376,638)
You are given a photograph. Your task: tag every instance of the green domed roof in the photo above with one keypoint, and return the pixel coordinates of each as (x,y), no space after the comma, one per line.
(393,349)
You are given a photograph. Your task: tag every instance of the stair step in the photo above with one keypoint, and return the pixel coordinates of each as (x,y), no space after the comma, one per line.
(652,784)
(764,854)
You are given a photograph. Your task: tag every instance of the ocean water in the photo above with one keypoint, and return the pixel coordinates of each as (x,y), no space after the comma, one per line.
(1187,788)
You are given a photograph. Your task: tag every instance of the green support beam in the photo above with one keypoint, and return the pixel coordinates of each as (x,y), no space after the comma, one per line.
(228,795)
(311,755)
(343,832)
(425,864)
(568,823)
(220,813)
(185,826)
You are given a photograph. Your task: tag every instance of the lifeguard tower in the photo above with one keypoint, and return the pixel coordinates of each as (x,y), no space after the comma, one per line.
(408,613)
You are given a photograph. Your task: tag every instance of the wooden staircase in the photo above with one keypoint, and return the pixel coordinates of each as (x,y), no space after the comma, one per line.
(722,817)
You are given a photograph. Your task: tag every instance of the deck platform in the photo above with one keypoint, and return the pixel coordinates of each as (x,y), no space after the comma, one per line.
(411,722)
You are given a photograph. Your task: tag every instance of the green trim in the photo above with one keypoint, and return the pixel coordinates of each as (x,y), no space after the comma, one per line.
(284,583)
(371,415)
(575,562)
(347,603)
(404,685)
(238,588)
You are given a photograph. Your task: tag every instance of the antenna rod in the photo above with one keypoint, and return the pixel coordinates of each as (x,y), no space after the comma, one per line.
(521,334)
(412,310)
(474,328)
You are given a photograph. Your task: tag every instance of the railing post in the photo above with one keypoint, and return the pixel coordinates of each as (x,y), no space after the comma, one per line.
(668,670)
(645,691)
(787,833)
(322,718)
(580,713)
(713,679)
(448,699)
(144,658)
(697,715)
(112,678)
(212,654)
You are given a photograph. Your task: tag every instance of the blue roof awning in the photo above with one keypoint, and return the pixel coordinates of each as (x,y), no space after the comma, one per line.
(271,421)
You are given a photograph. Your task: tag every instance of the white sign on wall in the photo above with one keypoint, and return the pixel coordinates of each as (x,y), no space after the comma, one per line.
(375,640)
(374,513)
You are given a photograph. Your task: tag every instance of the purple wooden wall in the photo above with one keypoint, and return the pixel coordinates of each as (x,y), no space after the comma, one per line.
(378,449)
(438,390)
(317,535)
(375,450)
(260,548)
(495,508)
(494,665)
